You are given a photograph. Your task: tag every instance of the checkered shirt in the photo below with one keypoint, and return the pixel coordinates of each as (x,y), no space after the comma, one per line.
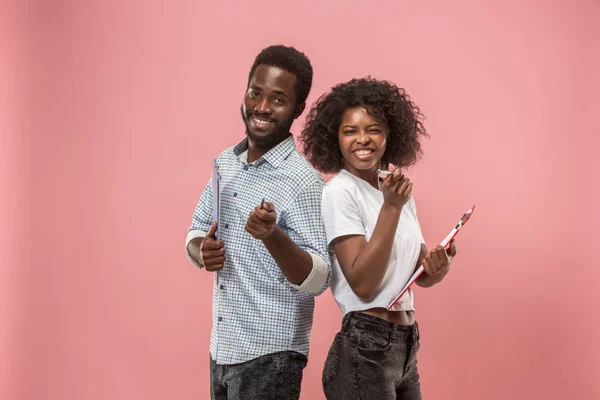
(256,310)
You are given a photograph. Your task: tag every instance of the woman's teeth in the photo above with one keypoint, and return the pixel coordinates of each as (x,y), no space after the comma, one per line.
(363,152)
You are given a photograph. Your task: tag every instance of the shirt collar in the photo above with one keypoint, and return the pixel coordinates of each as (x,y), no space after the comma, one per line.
(275,156)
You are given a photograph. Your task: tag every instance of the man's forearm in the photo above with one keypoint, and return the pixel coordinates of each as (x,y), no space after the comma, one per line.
(295,263)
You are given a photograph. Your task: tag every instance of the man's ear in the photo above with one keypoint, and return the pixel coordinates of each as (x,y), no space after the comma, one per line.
(299,110)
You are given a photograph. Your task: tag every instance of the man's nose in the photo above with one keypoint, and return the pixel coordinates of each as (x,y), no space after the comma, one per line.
(263,106)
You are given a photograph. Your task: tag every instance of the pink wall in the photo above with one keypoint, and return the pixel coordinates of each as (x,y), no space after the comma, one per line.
(111,110)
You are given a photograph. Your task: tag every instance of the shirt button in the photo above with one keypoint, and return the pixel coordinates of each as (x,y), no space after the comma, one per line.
(221,287)
(245,168)
(234,194)
(220,319)
(226,226)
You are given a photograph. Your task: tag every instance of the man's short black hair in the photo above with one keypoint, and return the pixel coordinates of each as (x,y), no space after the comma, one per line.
(291,60)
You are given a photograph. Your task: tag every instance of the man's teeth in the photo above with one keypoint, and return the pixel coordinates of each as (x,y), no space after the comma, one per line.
(260,121)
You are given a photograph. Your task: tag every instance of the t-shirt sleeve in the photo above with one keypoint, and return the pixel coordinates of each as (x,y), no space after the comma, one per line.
(341,215)
(413,208)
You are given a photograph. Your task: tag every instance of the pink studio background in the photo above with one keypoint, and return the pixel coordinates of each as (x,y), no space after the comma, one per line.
(111,110)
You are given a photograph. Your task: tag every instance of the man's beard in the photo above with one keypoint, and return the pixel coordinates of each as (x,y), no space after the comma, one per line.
(279,132)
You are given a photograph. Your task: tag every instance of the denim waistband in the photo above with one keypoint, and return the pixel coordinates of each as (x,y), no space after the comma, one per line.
(358,320)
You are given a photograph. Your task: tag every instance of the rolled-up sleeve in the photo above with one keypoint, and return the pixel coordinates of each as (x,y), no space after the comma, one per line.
(201,221)
(319,278)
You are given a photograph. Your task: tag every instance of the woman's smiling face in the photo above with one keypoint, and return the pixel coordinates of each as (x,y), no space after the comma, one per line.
(362,141)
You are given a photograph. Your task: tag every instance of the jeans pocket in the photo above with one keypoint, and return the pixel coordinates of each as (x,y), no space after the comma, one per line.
(370,342)
(332,363)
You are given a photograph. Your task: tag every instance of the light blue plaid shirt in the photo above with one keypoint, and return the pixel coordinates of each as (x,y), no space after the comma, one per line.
(256,310)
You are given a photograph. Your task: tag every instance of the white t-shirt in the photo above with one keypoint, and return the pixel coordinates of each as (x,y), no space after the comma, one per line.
(351,206)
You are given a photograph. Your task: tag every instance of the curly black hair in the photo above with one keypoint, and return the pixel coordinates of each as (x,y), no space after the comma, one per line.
(388,103)
(291,60)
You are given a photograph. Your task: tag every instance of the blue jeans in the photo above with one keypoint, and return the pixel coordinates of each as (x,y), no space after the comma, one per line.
(372,358)
(270,377)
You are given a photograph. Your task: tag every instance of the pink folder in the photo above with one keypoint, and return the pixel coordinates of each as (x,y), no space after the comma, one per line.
(461,222)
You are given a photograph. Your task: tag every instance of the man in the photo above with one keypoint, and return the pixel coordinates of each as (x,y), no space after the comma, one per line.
(270,258)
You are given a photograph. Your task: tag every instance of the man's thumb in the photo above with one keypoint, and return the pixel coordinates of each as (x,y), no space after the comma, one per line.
(212,230)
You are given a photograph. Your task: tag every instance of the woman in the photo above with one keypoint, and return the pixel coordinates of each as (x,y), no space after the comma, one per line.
(374,236)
